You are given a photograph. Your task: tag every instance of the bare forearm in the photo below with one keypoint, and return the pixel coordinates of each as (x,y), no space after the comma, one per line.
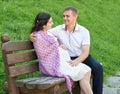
(82,57)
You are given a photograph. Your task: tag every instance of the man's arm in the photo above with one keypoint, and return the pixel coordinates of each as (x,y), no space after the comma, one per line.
(32,37)
(82,57)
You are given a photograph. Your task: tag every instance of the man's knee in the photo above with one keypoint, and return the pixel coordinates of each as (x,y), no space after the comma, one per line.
(97,69)
(100,67)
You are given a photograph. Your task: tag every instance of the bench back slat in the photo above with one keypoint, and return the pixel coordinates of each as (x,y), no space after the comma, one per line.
(22,69)
(21,57)
(18,45)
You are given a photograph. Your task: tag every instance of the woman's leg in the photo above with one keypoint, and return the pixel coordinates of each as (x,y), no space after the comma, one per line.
(81,91)
(85,84)
(97,72)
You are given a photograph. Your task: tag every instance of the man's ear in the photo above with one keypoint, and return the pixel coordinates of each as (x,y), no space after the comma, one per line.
(76,16)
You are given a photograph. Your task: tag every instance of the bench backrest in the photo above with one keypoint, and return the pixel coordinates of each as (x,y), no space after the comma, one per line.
(19,58)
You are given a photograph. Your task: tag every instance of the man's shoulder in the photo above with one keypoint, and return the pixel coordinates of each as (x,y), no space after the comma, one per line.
(82,28)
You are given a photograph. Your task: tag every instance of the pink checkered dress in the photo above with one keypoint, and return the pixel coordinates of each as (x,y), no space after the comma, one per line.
(47,51)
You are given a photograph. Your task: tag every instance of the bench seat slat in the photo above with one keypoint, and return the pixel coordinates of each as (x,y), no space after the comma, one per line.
(22,82)
(42,82)
(22,69)
(47,83)
(21,57)
(42,78)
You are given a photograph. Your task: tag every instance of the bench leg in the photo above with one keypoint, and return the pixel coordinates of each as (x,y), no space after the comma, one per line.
(52,90)
(55,90)
(76,89)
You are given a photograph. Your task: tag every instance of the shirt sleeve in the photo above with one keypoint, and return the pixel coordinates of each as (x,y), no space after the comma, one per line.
(53,31)
(86,37)
(56,33)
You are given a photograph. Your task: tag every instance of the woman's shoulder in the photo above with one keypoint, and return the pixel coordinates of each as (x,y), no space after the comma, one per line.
(38,35)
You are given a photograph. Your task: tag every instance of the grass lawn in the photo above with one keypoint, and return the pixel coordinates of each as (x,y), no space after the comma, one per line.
(100,17)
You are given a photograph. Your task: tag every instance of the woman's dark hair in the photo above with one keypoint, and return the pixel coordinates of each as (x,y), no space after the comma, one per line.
(40,20)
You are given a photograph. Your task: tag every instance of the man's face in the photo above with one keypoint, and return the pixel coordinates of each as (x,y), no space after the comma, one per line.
(69,17)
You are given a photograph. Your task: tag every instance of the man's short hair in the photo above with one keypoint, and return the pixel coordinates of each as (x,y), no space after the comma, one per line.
(73,9)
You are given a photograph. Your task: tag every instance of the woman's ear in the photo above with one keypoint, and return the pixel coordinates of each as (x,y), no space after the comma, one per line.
(44,26)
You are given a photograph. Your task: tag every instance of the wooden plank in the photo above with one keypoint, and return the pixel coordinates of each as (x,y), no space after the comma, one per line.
(21,57)
(22,69)
(40,82)
(41,79)
(44,82)
(18,45)
(22,82)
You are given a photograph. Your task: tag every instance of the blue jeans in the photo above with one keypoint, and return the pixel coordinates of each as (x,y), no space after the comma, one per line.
(97,73)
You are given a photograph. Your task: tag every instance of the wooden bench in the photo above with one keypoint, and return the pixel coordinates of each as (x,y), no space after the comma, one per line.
(19,58)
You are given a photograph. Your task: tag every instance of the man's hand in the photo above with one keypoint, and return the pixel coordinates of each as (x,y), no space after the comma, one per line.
(32,37)
(62,46)
(74,62)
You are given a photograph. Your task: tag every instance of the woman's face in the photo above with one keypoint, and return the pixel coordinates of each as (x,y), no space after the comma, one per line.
(49,24)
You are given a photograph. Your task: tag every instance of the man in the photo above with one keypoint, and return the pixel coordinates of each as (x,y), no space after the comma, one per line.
(76,39)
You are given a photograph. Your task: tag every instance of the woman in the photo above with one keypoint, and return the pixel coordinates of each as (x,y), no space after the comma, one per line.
(54,59)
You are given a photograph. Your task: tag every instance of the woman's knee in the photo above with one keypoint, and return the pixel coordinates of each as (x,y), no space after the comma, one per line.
(88,75)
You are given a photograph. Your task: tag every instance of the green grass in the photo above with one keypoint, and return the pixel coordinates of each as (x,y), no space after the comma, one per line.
(101,17)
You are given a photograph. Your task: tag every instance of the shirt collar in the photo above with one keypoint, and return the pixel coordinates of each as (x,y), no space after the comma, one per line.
(76,27)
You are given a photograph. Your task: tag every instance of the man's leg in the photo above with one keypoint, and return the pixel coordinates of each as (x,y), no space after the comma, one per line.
(97,72)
